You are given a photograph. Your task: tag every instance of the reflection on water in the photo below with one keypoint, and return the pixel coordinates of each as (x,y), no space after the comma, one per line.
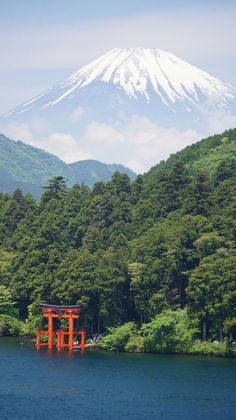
(97,385)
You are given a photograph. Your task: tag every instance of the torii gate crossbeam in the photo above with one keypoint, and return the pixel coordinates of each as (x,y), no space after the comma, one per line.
(59,311)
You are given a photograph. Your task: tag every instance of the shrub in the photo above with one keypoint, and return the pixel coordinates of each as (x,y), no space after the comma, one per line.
(208,348)
(9,326)
(31,325)
(135,344)
(118,337)
(169,332)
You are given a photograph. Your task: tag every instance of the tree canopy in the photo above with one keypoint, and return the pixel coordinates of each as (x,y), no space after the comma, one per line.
(127,251)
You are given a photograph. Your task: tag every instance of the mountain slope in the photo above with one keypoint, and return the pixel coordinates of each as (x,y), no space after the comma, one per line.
(91,171)
(28,168)
(23,160)
(128,251)
(129,105)
(138,71)
(203,156)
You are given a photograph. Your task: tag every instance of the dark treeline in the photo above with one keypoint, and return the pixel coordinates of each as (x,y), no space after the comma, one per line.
(129,251)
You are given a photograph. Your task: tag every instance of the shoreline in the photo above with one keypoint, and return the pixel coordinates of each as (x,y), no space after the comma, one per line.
(90,346)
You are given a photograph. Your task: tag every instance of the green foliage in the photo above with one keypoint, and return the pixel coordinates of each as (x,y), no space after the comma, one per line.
(203,156)
(56,188)
(135,344)
(7,306)
(25,167)
(6,258)
(208,243)
(9,325)
(225,140)
(207,348)
(169,332)
(212,292)
(118,337)
(157,252)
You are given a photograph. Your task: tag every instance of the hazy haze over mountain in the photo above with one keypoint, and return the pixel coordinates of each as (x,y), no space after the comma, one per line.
(28,168)
(43,45)
(133,106)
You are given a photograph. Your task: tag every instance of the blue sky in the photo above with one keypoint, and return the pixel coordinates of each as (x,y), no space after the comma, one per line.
(77,11)
(44,41)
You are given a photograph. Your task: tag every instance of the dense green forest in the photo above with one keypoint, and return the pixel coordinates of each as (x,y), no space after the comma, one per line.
(155,257)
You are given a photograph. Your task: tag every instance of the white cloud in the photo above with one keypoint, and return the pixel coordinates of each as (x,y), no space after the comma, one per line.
(76,115)
(32,133)
(37,134)
(219,121)
(65,146)
(19,132)
(103,133)
(138,143)
(202,38)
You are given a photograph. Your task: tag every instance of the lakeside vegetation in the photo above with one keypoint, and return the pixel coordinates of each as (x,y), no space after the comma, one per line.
(170,332)
(153,259)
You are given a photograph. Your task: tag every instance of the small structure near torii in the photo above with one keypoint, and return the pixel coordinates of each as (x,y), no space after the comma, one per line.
(64,312)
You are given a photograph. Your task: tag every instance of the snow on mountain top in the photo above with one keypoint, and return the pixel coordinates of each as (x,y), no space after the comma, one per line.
(141,72)
(135,69)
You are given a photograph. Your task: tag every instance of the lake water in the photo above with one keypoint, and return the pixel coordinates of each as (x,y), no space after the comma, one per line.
(99,385)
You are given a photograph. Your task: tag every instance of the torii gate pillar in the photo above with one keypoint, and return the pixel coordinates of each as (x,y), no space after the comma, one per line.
(66,312)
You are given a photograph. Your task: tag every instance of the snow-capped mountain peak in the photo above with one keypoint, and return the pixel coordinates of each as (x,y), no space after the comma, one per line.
(140,73)
(133,106)
(138,70)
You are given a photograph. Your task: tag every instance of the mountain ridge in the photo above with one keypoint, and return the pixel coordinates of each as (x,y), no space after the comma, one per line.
(133,251)
(134,106)
(29,168)
(132,70)
(195,157)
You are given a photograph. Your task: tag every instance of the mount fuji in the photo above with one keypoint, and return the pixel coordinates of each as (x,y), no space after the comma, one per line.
(135,106)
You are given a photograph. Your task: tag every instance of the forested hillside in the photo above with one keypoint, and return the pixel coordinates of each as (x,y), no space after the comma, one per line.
(127,251)
(204,155)
(29,168)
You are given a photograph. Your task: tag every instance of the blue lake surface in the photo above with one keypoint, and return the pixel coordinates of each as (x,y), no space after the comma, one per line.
(99,385)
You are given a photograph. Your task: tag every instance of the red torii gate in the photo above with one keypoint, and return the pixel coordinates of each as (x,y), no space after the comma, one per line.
(66,312)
